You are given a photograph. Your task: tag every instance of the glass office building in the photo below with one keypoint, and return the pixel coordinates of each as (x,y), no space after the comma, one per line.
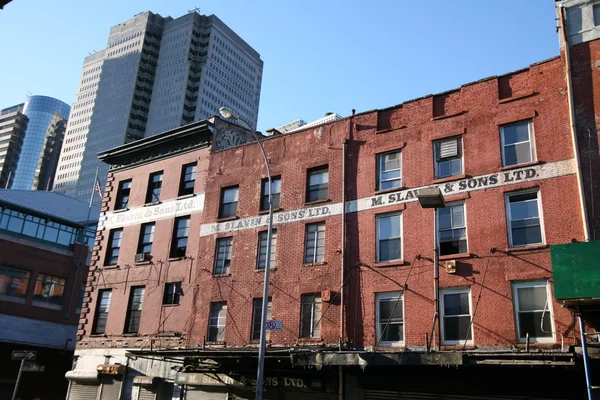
(155,74)
(41,144)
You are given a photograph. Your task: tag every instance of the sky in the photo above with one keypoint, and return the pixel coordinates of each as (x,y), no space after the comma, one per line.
(319,56)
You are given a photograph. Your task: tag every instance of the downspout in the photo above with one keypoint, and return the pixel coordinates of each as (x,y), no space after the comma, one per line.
(568,77)
(343,248)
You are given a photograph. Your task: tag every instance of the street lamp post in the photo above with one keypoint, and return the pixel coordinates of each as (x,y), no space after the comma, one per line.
(433,198)
(228,114)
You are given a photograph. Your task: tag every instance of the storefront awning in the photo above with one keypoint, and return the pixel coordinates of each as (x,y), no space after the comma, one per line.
(79,376)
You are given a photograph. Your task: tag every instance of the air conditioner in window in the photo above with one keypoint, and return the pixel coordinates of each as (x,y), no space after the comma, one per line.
(451,266)
(141,257)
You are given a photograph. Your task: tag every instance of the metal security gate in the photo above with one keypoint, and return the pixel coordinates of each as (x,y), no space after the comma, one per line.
(111,388)
(82,391)
(146,394)
(393,395)
(191,394)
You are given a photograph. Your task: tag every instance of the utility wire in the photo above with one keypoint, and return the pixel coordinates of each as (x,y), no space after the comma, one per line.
(478,299)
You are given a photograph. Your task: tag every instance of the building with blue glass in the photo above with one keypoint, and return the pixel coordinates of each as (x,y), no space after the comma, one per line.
(41,143)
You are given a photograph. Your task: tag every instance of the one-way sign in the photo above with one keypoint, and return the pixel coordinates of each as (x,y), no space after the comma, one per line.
(23,355)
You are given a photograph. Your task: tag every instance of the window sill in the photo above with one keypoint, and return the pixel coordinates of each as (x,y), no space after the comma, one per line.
(396,189)
(176,258)
(143,263)
(321,201)
(517,97)
(263,212)
(12,299)
(390,130)
(109,267)
(310,340)
(450,178)
(170,305)
(120,210)
(154,203)
(222,275)
(392,263)
(130,334)
(526,248)
(263,270)
(439,117)
(522,165)
(216,343)
(225,219)
(185,196)
(316,264)
(41,304)
(98,335)
(456,256)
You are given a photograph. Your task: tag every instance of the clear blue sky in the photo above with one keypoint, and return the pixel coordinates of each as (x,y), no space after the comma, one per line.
(319,56)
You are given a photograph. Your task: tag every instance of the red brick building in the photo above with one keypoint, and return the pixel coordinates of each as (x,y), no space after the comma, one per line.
(176,280)
(43,268)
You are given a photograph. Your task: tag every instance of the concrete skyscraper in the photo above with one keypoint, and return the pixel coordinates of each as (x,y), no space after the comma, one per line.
(156,73)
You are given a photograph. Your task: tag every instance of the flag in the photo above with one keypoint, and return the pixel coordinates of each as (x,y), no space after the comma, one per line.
(98,189)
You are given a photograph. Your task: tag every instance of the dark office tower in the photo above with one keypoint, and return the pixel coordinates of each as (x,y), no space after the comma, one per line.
(12,131)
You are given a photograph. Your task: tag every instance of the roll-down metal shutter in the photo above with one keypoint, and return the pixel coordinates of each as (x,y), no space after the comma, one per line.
(192,394)
(392,395)
(81,391)
(111,388)
(146,394)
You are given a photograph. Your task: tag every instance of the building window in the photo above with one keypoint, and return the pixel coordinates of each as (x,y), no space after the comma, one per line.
(310,320)
(146,238)
(452,231)
(314,246)
(597,15)
(524,221)
(180,236)
(223,258)
(456,316)
(516,143)
(317,187)
(80,299)
(188,179)
(229,202)
(218,318)
(114,245)
(13,284)
(154,187)
(533,311)
(37,227)
(448,157)
(257,316)
(134,311)
(390,319)
(49,291)
(275,193)
(389,170)
(123,194)
(172,293)
(262,249)
(102,307)
(389,237)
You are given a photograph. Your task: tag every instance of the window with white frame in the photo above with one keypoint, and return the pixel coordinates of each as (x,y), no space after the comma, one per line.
(452,229)
(310,318)
(533,311)
(217,320)
(389,170)
(261,259)
(517,146)
(524,218)
(390,319)
(456,316)
(223,256)
(389,237)
(448,157)
(314,246)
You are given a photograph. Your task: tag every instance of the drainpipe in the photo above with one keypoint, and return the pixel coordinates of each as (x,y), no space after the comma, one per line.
(343,249)
(568,77)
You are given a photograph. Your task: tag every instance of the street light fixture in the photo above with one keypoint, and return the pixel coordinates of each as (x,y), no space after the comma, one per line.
(432,198)
(228,114)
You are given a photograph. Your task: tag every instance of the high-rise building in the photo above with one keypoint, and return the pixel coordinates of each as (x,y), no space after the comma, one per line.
(156,73)
(12,131)
(41,144)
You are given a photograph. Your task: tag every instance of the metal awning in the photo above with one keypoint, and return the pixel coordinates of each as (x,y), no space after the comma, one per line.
(83,376)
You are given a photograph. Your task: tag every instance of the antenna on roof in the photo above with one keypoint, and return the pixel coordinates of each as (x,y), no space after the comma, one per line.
(140,13)
(194,10)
